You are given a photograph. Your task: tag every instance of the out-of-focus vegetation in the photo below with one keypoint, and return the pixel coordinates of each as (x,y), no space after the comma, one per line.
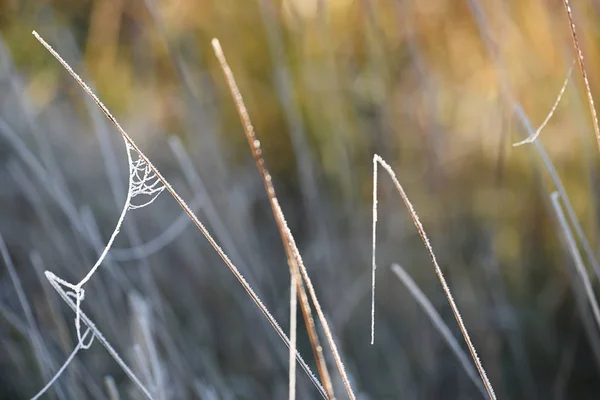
(440,89)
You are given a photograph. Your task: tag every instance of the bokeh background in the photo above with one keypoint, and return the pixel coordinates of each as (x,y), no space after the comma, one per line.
(439,88)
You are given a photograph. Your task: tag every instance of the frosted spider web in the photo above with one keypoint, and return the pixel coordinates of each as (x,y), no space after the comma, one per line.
(142,182)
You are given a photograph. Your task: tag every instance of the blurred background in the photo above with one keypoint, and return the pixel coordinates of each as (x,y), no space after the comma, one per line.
(439,88)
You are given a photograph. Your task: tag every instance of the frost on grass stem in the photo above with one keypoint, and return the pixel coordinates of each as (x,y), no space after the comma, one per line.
(438,270)
(293,328)
(295,262)
(373,265)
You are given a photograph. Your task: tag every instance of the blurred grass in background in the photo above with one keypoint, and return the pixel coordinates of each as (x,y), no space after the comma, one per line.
(435,87)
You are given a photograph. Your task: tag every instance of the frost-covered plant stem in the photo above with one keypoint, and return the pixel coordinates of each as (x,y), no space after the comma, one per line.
(295,262)
(438,271)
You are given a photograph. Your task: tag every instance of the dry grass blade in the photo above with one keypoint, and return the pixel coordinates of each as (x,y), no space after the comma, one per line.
(531,138)
(293,255)
(187,210)
(584,75)
(438,271)
(438,323)
(579,265)
(314,340)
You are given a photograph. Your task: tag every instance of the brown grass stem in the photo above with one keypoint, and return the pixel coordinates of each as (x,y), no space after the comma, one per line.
(291,250)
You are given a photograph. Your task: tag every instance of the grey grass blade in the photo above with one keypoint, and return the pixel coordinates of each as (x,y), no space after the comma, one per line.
(439,324)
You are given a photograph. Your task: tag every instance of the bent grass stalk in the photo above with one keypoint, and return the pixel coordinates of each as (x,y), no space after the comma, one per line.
(129,141)
(438,271)
(293,255)
(533,137)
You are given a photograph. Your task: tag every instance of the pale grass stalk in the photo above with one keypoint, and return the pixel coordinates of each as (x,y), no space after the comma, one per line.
(186,209)
(533,137)
(293,329)
(142,366)
(292,253)
(439,324)
(111,387)
(440,275)
(373,252)
(588,90)
(144,322)
(579,265)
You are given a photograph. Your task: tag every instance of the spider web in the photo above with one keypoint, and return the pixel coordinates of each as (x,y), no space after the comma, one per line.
(142,180)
